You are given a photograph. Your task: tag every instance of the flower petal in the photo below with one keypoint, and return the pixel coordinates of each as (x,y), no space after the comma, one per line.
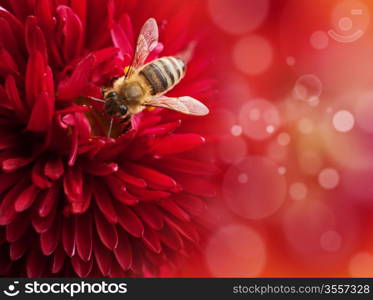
(129,220)
(151,215)
(48,201)
(103,201)
(50,238)
(177,143)
(106,231)
(123,252)
(54,168)
(83,235)
(104,258)
(26,198)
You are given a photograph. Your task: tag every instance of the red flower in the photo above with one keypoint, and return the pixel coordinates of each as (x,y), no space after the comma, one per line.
(72,201)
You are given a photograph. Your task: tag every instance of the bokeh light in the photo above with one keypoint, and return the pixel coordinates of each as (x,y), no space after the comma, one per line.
(256,118)
(238,16)
(253,188)
(252,55)
(236,251)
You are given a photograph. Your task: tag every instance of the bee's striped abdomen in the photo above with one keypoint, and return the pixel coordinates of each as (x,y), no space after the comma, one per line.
(163,73)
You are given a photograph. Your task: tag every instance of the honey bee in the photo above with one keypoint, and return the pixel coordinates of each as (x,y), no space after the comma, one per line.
(144,85)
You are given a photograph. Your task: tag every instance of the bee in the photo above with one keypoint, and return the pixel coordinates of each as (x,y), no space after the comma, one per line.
(144,85)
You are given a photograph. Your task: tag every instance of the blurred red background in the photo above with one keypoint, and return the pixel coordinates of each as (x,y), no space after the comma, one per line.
(291,129)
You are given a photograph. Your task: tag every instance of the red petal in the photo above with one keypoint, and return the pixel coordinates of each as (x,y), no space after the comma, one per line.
(129,220)
(54,168)
(186,166)
(118,190)
(121,40)
(79,82)
(42,113)
(83,235)
(58,260)
(13,164)
(49,239)
(68,235)
(7,64)
(130,179)
(153,178)
(106,231)
(177,143)
(7,211)
(104,258)
(151,215)
(186,229)
(20,247)
(193,205)
(38,177)
(72,29)
(26,198)
(151,240)
(36,262)
(48,201)
(8,180)
(73,184)
(34,37)
(196,186)
(104,202)
(147,195)
(42,224)
(162,129)
(99,168)
(17,227)
(81,267)
(174,209)
(170,238)
(123,252)
(13,95)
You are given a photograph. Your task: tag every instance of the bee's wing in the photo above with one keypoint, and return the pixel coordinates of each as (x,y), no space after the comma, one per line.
(146,42)
(186,105)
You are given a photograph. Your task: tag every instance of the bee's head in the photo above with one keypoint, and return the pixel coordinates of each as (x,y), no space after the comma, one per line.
(114,106)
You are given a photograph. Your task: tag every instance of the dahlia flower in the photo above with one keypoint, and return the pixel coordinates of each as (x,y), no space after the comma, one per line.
(74,202)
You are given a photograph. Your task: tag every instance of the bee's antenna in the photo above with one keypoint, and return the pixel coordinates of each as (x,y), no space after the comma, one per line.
(97,99)
(110,128)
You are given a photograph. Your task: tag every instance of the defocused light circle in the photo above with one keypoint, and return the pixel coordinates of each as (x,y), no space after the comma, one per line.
(319,40)
(343,121)
(329,178)
(259,193)
(259,119)
(304,224)
(361,265)
(298,191)
(290,60)
(236,130)
(236,251)
(364,112)
(331,241)
(252,54)
(282,170)
(238,16)
(307,87)
(232,149)
(283,139)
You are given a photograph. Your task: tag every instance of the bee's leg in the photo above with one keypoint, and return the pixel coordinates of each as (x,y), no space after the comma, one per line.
(110,127)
